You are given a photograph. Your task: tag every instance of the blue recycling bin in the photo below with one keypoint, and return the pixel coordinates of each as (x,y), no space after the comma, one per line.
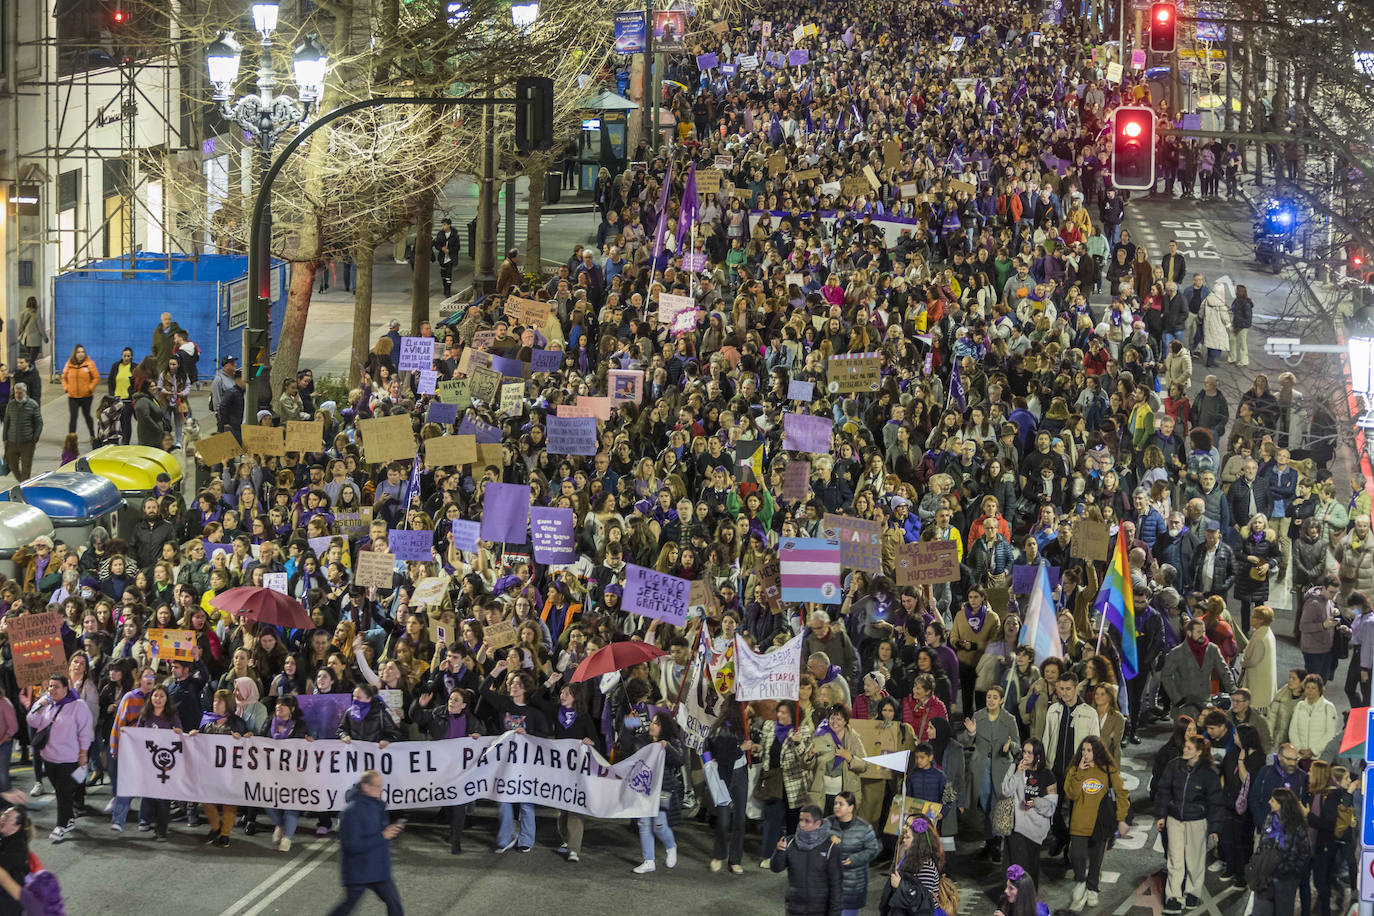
(75,502)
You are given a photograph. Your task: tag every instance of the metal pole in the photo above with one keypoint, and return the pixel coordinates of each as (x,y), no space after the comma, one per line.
(510,213)
(484,279)
(647,110)
(257,338)
(258,304)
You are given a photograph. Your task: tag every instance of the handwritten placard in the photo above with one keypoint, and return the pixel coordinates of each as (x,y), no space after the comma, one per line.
(427,381)
(796,480)
(387,438)
(218,449)
(571,435)
(263,440)
(411,546)
(36,646)
(512,399)
(861,541)
(304,436)
(798,390)
(172,645)
(1090,541)
(530,312)
(374,569)
(457,391)
(545,360)
(927,563)
(450,451)
(858,373)
(656,595)
(499,635)
(486,385)
(416,353)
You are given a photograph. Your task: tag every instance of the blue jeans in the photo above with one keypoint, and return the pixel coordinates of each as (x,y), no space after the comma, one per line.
(507,825)
(655,827)
(286,819)
(1170,337)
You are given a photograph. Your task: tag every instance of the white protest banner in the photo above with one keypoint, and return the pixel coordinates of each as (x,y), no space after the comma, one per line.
(775,676)
(316,775)
(275,581)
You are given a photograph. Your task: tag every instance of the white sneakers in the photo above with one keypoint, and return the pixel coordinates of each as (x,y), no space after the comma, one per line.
(505,848)
(276,836)
(285,844)
(717,864)
(671,859)
(1080,897)
(643,868)
(765,863)
(38,788)
(572,856)
(58,834)
(1092,898)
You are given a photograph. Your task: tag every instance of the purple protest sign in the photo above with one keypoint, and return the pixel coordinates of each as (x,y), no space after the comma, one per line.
(429,380)
(505,512)
(465,534)
(774,59)
(656,595)
(545,360)
(485,433)
(707,61)
(727,70)
(571,435)
(798,57)
(323,712)
(551,532)
(694,261)
(442,413)
(798,390)
(1023,578)
(417,546)
(803,432)
(511,368)
(417,353)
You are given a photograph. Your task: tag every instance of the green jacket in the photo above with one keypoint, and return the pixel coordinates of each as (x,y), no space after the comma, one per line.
(23,421)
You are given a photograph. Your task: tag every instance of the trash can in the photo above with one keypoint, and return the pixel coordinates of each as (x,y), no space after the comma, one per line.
(20,523)
(74,501)
(472,239)
(133,469)
(553,187)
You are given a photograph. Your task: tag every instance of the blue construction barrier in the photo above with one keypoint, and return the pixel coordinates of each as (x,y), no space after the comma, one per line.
(105,310)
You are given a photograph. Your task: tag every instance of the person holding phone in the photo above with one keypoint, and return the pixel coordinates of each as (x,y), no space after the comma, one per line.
(365,847)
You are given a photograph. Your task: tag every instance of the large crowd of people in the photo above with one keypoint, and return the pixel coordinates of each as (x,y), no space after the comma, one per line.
(928,184)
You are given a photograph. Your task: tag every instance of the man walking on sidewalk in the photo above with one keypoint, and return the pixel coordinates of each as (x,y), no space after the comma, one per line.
(23,427)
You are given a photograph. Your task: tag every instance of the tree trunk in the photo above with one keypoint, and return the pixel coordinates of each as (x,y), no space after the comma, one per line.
(362,311)
(287,359)
(534,259)
(419,279)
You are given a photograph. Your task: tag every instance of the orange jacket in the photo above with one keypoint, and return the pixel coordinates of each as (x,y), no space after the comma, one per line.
(80,381)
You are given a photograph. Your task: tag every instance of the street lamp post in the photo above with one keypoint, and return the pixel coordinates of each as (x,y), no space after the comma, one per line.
(264,116)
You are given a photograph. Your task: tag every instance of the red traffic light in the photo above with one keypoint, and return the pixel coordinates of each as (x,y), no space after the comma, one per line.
(1131,128)
(119,15)
(1163,22)
(1163,13)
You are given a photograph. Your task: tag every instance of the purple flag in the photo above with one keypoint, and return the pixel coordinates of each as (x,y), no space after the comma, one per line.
(412,485)
(656,595)
(1020,92)
(848,37)
(662,228)
(688,214)
(505,512)
(707,61)
(551,532)
(804,432)
(411,545)
(810,123)
(798,57)
(956,389)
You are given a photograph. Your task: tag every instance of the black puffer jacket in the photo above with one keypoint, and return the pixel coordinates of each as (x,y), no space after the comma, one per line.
(1190,793)
(375,725)
(813,877)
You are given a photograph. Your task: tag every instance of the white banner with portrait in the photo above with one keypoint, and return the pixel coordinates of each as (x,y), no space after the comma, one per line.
(316,775)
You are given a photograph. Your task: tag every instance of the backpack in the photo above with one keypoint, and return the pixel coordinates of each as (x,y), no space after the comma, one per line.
(1345,817)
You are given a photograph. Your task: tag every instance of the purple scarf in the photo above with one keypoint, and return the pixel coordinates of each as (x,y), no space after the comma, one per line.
(566,717)
(357,709)
(976,620)
(457,726)
(280,729)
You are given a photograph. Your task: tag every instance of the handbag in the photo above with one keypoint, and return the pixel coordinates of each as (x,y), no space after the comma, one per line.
(1340,642)
(1004,816)
(1260,869)
(770,786)
(1243,796)
(39,739)
(1105,828)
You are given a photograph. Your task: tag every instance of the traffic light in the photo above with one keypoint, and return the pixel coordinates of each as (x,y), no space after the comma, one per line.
(1133,148)
(533,113)
(1163,20)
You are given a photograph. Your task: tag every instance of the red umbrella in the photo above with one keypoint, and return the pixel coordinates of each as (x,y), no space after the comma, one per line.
(265,606)
(614,657)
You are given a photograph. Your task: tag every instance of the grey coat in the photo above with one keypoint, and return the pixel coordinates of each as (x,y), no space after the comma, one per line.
(860,846)
(23,421)
(988,742)
(1189,683)
(1034,822)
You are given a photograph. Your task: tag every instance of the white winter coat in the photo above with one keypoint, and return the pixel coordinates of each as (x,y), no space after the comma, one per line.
(1313,725)
(1216,322)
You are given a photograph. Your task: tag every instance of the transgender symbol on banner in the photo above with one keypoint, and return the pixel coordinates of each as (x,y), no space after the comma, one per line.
(811,570)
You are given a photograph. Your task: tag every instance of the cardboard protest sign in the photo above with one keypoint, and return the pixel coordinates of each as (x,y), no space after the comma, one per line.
(770,577)
(218,449)
(491,454)
(806,175)
(872,177)
(861,541)
(36,647)
(892,154)
(956,186)
(263,440)
(387,438)
(724,162)
(854,186)
(529,312)
(450,451)
(777,164)
(601,406)
(354,524)
(552,534)
(927,563)
(499,635)
(803,432)
(374,569)
(656,595)
(172,645)
(1090,541)
(708,181)
(457,392)
(486,385)
(879,738)
(304,436)
(909,189)
(417,353)
(796,480)
(702,595)
(484,340)
(430,590)
(854,373)
(512,399)
(574,411)
(571,435)
(626,385)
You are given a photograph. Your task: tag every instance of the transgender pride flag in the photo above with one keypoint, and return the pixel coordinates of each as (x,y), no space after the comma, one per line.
(810,570)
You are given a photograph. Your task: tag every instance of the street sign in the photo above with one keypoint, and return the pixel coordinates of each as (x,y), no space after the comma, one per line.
(1367,876)
(1367,830)
(1369,748)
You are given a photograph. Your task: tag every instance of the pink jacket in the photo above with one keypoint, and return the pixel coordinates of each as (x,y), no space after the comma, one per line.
(71,728)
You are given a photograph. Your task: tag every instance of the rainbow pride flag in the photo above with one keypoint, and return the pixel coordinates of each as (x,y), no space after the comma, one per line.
(1116,603)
